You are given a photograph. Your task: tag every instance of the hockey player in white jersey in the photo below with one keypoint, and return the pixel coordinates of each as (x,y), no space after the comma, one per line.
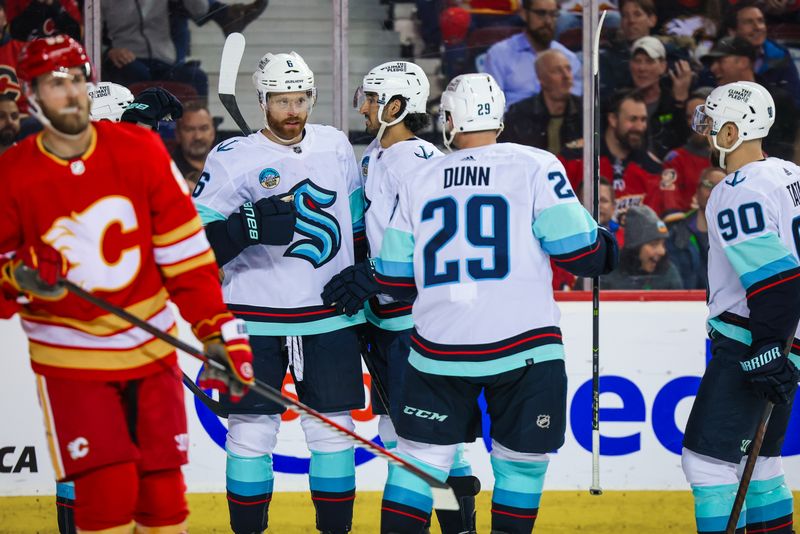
(470,241)
(283,208)
(754,307)
(393,99)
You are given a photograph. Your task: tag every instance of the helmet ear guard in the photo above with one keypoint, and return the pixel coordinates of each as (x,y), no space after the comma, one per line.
(396,79)
(472,103)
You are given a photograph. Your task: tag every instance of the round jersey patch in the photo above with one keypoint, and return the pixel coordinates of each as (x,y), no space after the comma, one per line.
(269,178)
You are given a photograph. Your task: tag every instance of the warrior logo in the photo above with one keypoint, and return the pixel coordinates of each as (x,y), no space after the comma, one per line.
(323,235)
(745,445)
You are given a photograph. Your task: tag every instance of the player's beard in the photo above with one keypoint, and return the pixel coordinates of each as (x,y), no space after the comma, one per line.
(285,129)
(371,126)
(72,119)
(7,136)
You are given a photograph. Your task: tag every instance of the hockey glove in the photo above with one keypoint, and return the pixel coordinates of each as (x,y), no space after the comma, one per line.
(226,341)
(36,270)
(349,289)
(270,221)
(771,373)
(152,105)
(612,249)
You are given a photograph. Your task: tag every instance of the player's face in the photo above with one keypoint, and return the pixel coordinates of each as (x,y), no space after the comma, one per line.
(645,70)
(369,109)
(691,105)
(650,254)
(751,25)
(287,113)
(635,22)
(65,100)
(540,19)
(605,202)
(9,122)
(195,133)
(631,124)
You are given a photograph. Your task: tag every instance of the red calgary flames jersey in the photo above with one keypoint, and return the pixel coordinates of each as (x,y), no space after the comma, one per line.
(121,215)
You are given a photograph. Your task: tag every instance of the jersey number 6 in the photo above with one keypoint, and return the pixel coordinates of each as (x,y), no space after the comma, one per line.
(496,239)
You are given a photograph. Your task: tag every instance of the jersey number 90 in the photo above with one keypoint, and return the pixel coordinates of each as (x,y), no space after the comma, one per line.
(476,211)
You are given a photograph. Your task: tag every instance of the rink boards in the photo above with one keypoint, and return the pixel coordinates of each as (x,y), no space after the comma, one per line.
(652,356)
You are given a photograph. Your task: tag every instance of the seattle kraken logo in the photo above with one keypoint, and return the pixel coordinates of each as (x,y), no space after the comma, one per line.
(323,236)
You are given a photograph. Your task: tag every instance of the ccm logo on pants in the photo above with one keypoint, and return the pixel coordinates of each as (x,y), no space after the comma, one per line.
(424,414)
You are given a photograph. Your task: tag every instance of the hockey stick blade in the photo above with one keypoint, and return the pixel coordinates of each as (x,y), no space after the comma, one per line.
(231,58)
(443,496)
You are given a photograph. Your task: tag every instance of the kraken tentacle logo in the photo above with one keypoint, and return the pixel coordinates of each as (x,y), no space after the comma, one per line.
(323,235)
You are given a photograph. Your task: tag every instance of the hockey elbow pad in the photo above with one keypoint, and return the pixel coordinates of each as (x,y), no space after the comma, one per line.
(601,257)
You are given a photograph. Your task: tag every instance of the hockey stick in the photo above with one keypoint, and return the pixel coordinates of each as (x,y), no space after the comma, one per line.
(595,488)
(747,472)
(443,496)
(376,381)
(232,54)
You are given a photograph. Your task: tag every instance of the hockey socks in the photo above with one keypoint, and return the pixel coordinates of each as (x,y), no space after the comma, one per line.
(465,487)
(712,507)
(249,483)
(407,500)
(517,491)
(65,504)
(332,478)
(769,506)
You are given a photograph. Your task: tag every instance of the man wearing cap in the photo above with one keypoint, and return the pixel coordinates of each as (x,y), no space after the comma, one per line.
(664,96)
(732,59)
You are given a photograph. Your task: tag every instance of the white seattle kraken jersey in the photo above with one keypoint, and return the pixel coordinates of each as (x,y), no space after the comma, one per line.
(382,171)
(753,233)
(475,230)
(276,289)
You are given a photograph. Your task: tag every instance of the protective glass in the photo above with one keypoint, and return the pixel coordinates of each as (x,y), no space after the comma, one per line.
(359,97)
(297,102)
(701,123)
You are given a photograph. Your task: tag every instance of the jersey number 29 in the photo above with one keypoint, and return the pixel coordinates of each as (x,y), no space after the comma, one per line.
(476,208)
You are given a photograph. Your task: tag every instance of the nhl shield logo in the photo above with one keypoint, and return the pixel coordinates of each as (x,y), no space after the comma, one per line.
(543,421)
(269,178)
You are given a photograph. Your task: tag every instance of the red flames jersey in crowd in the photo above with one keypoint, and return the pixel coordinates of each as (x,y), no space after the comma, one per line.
(121,215)
(9,83)
(680,179)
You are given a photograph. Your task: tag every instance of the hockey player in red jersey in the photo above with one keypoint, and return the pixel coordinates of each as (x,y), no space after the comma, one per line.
(103,206)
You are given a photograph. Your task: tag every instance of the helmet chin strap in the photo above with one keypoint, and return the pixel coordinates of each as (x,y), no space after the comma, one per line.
(385,124)
(37,111)
(724,151)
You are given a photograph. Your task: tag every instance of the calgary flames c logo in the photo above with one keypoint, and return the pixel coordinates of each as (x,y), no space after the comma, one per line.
(80,238)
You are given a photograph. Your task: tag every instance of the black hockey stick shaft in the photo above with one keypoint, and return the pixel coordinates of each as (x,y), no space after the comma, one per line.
(383,398)
(747,473)
(268,392)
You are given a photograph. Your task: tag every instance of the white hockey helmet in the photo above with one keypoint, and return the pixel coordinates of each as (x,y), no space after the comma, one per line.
(283,73)
(109,101)
(474,103)
(746,104)
(392,79)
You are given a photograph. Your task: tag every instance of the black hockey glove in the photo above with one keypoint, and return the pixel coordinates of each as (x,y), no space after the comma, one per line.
(349,289)
(270,221)
(152,105)
(771,373)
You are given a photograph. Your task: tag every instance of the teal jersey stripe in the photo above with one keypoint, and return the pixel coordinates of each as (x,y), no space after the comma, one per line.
(332,464)
(569,244)
(357,207)
(778,266)
(768,512)
(395,269)
(393,324)
(207,215)
(397,246)
(407,497)
(556,224)
(737,333)
(768,499)
(516,499)
(249,489)
(718,523)
(795,360)
(712,506)
(66,490)
(320,326)
(333,485)
(541,354)
(255,469)
(759,258)
(519,477)
(460,461)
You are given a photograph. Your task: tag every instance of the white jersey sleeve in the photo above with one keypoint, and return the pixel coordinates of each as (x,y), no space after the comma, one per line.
(218,194)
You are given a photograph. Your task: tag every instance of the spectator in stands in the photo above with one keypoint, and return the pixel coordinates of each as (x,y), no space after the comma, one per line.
(665,96)
(553,118)
(623,155)
(731,59)
(643,261)
(638,18)
(9,51)
(773,62)
(195,134)
(511,61)
(9,121)
(31,19)
(688,237)
(428,12)
(605,208)
(682,166)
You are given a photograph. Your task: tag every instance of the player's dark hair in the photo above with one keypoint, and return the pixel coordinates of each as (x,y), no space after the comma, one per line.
(416,121)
